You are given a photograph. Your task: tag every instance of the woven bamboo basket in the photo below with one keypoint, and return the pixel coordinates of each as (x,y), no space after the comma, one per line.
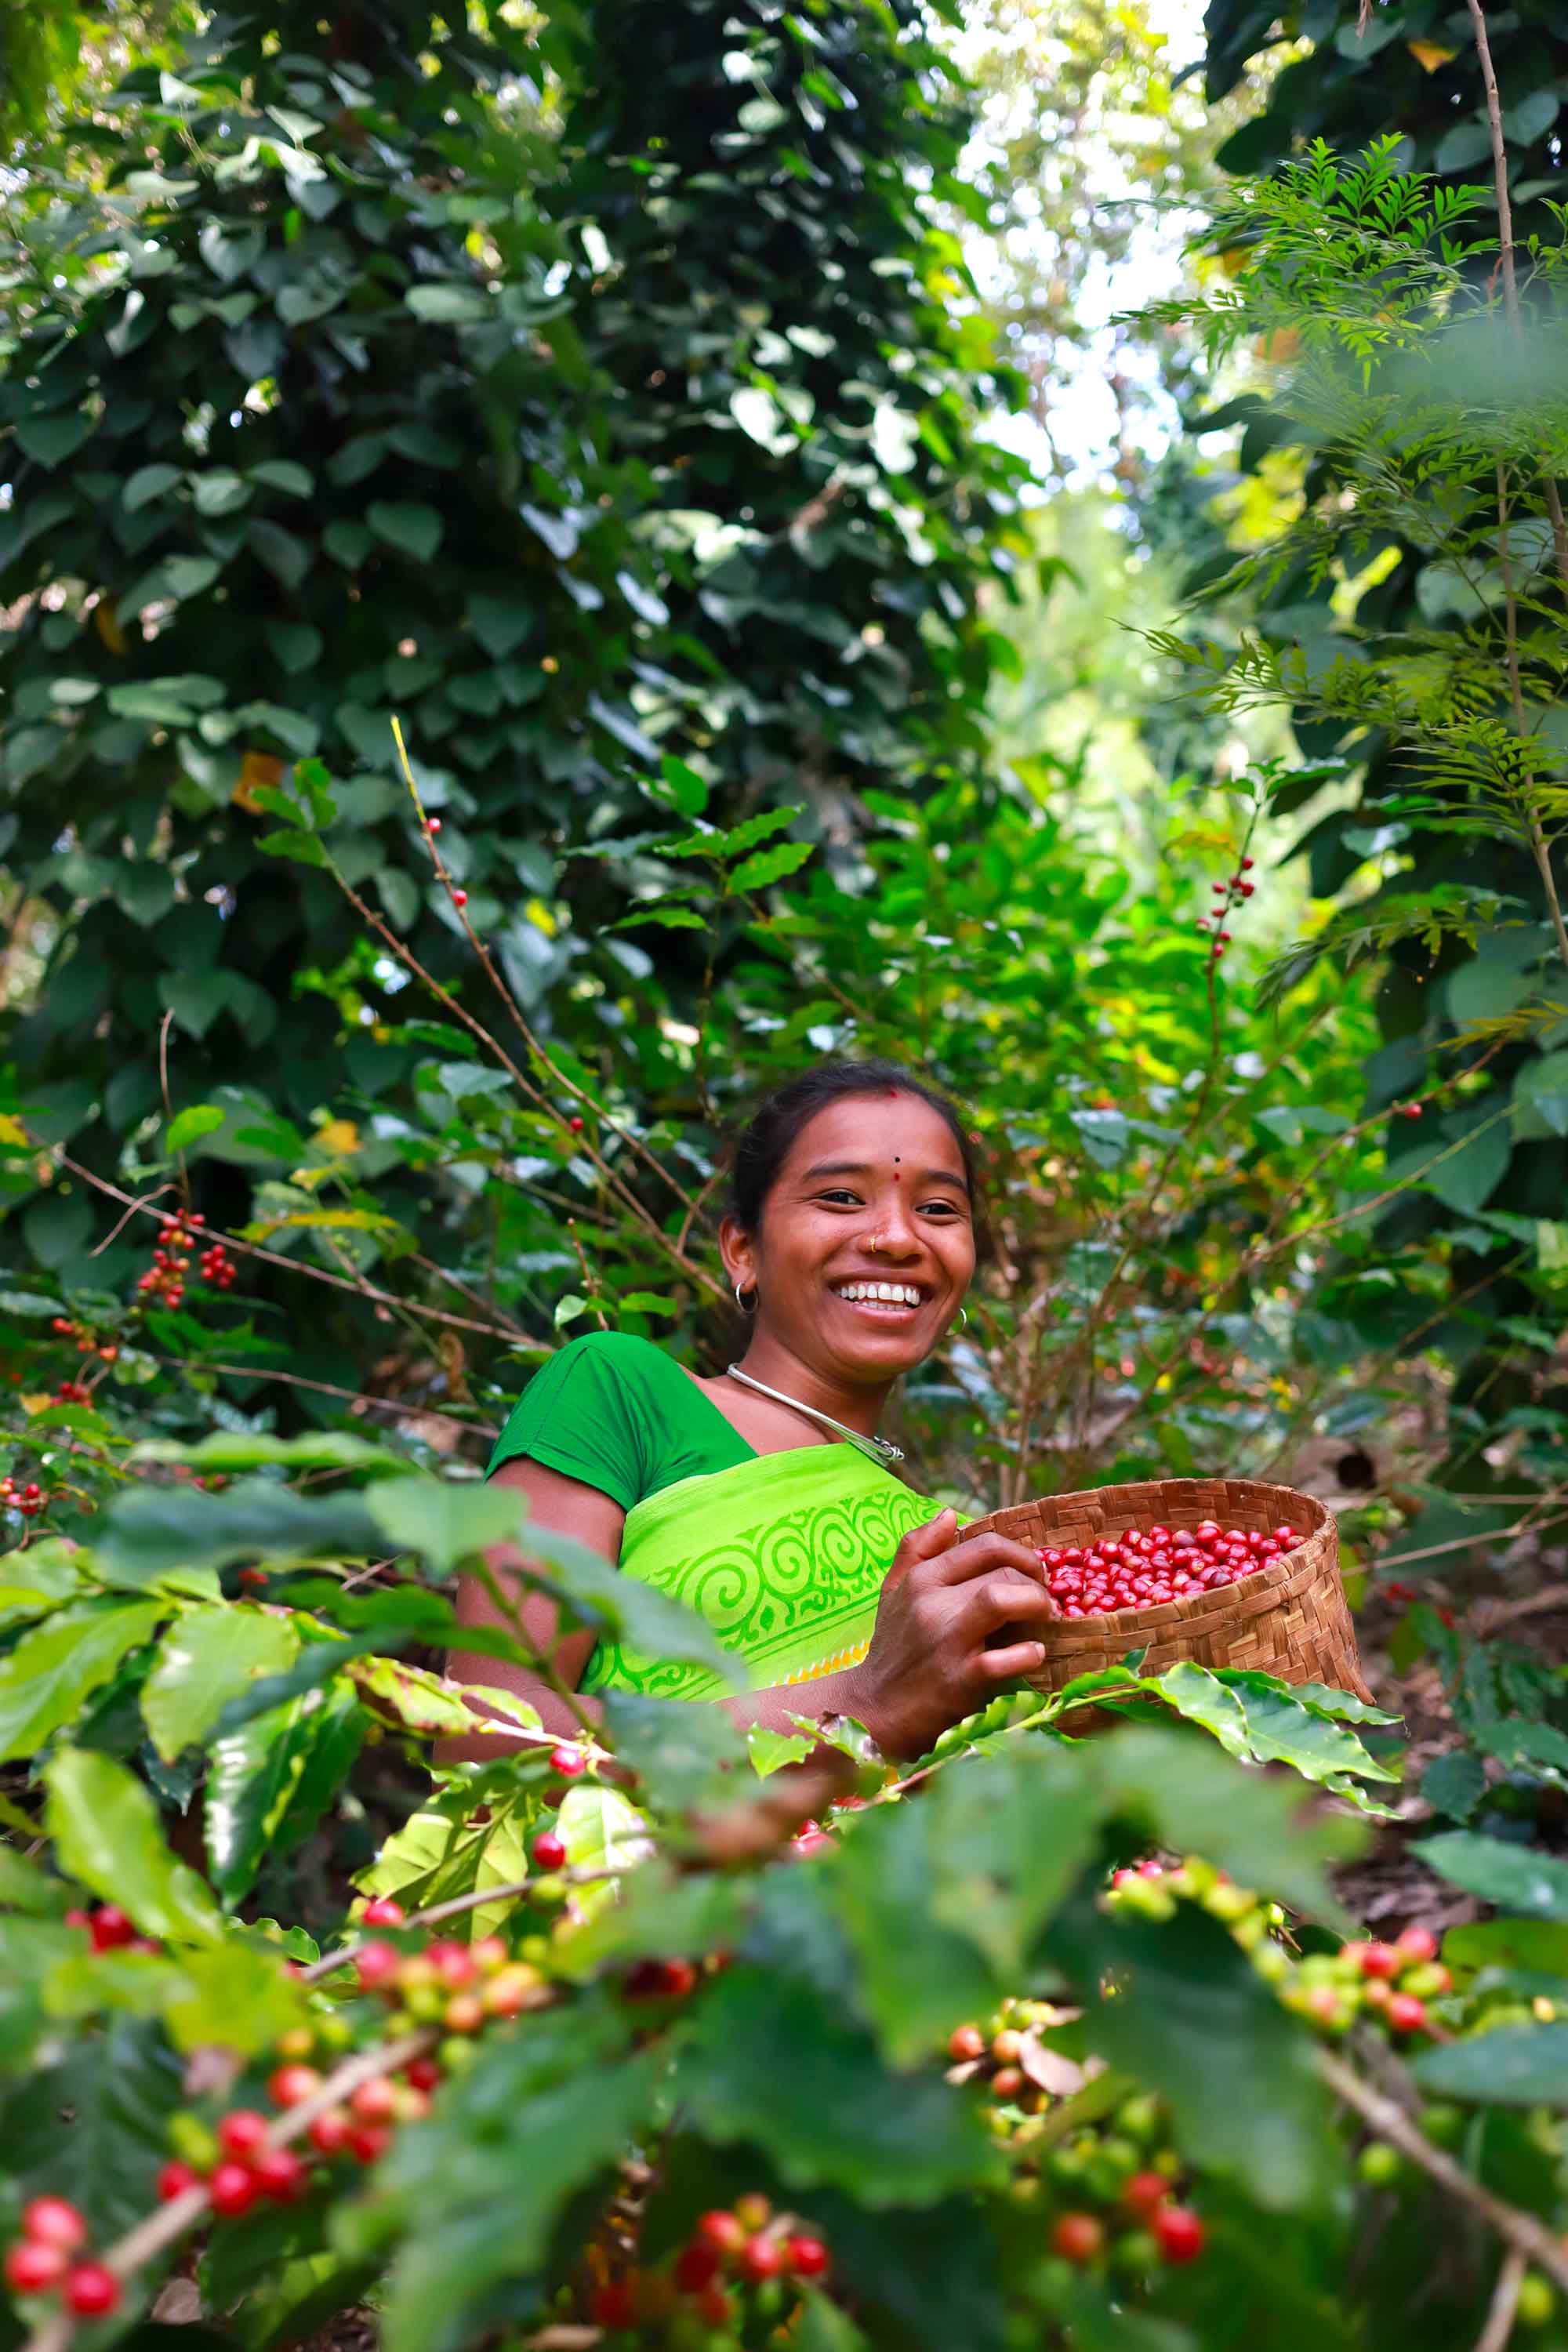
(1287,1618)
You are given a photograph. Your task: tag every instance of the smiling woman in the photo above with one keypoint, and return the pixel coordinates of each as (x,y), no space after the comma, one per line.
(764,1498)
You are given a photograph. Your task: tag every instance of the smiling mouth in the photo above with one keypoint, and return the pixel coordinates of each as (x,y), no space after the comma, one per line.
(881,1297)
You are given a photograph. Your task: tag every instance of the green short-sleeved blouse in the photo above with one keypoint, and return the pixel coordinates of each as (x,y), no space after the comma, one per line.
(621,1415)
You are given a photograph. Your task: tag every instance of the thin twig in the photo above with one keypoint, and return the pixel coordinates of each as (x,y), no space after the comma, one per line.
(458,1904)
(1504,2306)
(276,1257)
(331,1387)
(1519,2231)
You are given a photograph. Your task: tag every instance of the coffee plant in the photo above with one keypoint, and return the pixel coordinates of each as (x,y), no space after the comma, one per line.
(610,2044)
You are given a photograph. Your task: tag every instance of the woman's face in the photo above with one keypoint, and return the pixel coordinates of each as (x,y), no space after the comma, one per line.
(867,1241)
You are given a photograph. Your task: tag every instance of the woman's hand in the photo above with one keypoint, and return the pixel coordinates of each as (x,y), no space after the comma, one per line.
(946,1598)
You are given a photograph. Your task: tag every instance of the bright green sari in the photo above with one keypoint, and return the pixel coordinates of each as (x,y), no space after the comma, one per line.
(784,1557)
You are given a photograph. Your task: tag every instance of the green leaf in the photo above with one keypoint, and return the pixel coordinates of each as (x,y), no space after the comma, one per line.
(1508,2066)
(50,440)
(405,523)
(48,1678)
(284,474)
(1453,1784)
(444,1522)
(206,1657)
(1191,2020)
(147,483)
(500,623)
(31,1951)
(473,2197)
(106,1831)
(229,1451)
(188,1126)
(234,1998)
(1534,1944)
(679,786)
(687,1758)
(769,866)
(568,1308)
(1183,1793)
(94,2126)
(773,2065)
(30,1305)
(1515,1877)
(1261,1720)
(449,305)
(171,1536)
(252,1778)
(25,1886)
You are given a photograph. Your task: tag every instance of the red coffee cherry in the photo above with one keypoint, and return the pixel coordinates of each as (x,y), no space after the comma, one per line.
(32,2268)
(241,2133)
(762,2258)
(1416,1943)
(91,2291)
(1179,2232)
(234,2189)
(54,2221)
(1078,2237)
(175,2178)
(1405,2013)
(382,1912)
(280,2175)
(549,1851)
(806,2257)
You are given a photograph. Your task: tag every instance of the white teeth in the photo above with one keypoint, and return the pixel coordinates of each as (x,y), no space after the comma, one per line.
(887,1293)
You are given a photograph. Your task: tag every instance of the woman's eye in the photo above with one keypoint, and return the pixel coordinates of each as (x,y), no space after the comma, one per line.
(851,1199)
(939,1209)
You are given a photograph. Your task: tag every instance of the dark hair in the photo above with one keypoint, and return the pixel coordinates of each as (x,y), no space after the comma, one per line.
(764,1144)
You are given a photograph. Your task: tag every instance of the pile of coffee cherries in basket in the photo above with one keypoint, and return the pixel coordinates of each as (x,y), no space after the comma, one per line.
(1138,1570)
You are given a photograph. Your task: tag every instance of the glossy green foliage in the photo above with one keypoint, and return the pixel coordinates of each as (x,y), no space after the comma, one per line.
(343,386)
(1447,890)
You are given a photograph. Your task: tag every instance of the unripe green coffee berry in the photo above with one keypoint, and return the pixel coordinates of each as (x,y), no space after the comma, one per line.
(1429,1982)
(768,2299)
(547,1893)
(1379,2165)
(456,2053)
(1065,2167)
(1537,2303)
(1139,2118)
(1230,1903)
(192,2141)
(1250,1931)
(1271,1961)
(534,1950)
(1136,2253)
(1443,2125)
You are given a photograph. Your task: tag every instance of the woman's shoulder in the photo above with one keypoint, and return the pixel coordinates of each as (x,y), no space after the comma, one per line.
(619,1360)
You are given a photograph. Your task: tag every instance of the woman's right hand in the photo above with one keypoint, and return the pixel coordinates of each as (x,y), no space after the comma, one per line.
(944,1599)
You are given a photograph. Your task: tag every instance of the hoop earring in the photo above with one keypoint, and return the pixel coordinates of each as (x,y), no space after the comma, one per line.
(963,1318)
(747,1306)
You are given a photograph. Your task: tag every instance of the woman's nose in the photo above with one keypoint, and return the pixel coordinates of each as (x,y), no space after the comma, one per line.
(894,1235)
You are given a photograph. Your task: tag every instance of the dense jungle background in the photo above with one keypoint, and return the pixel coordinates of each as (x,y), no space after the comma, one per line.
(556,565)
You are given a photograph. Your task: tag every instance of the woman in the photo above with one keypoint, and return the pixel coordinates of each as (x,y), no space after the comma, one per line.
(763,1497)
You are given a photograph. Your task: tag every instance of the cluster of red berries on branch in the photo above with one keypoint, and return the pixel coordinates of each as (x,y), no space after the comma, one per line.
(49,2259)
(1140,1569)
(1110,2191)
(740,2263)
(1364,1983)
(1001,2056)
(1367,1981)
(28,1498)
(86,1340)
(1230,893)
(455,1988)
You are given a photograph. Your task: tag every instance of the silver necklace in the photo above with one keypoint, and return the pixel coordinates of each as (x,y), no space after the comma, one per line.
(879,1448)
